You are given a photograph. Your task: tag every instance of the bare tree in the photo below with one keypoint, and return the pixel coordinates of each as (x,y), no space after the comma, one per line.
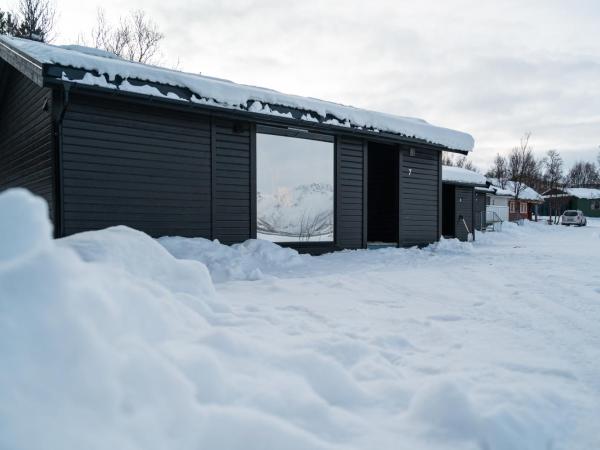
(458,161)
(447,159)
(35,20)
(522,166)
(583,174)
(135,37)
(8,24)
(553,175)
(499,170)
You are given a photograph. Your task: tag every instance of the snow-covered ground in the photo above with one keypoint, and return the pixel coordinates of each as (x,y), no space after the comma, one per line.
(109,341)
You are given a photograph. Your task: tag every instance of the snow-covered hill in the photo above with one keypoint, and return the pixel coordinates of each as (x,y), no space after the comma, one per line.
(302,213)
(113,340)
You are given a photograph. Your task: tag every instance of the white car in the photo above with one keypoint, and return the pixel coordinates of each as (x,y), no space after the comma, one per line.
(573,217)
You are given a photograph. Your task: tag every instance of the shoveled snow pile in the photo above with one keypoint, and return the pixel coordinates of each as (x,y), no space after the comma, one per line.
(109,341)
(464,176)
(226,94)
(247,261)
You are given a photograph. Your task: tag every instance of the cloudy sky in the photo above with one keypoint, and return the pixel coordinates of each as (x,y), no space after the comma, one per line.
(493,69)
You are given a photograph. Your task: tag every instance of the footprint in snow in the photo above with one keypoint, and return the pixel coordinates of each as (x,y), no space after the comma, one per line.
(445,317)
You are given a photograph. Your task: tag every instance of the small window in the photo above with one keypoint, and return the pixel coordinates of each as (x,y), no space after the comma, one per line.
(523,208)
(513,207)
(595,204)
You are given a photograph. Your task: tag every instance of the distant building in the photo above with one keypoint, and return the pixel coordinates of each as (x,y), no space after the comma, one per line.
(522,205)
(586,200)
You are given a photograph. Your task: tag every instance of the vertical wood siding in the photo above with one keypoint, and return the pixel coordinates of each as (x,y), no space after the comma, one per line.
(420,180)
(464,208)
(26,136)
(349,231)
(479,206)
(143,167)
(232,195)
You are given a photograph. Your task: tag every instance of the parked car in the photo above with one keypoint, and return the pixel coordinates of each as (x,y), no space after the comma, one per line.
(573,217)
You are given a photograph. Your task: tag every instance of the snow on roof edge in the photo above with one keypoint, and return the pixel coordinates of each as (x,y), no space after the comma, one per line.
(463,176)
(527,193)
(226,94)
(584,193)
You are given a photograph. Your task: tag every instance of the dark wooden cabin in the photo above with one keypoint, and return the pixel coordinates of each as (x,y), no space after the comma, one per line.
(463,207)
(109,142)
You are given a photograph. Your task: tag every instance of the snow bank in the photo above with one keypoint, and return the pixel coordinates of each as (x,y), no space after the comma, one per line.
(453,174)
(88,354)
(142,257)
(226,94)
(250,260)
(109,341)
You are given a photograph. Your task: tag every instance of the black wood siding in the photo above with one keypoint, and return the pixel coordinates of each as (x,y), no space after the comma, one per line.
(233,193)
(26,136)
(464,209)
(350,200)
(143,167)
(420,187)
(479,207)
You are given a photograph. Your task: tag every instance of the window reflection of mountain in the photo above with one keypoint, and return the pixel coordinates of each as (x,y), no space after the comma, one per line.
(304,212)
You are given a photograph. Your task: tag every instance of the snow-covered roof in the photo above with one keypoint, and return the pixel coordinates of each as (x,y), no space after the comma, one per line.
(108,71)
(452,174)
(510,189)
(586,193)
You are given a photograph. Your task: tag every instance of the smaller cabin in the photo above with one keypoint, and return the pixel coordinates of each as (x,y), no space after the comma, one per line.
(462,206)
(523,205)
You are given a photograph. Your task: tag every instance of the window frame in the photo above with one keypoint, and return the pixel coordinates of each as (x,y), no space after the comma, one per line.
(512,206)
(521,205)
(304,134)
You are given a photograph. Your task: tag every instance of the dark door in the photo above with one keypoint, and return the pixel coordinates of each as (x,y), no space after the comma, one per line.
(382,209)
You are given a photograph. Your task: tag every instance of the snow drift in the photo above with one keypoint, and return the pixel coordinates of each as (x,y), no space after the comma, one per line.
(107,341)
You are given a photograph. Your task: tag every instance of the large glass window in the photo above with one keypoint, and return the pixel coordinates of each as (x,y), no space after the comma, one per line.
(294,184)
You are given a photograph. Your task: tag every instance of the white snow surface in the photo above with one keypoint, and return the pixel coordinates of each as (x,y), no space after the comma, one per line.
(226,94)
(586,193)
(460,175)
(108,341)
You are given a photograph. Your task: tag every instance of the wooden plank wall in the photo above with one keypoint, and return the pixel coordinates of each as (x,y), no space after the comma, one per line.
(26,136)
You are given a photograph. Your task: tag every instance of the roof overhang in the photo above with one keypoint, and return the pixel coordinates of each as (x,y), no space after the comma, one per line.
(56,76)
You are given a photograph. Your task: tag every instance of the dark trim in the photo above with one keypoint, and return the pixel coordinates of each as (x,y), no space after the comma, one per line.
(294,132)
(213,176)
(314,248)
(337,198)
(455,183)
(253,132)
(440,194)
(28,66)
(473,213)
(4,73)
(365,225)
(400,175)
(262,119)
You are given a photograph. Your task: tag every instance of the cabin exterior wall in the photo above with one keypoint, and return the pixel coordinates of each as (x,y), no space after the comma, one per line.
(170,171)
(27,157)
(464,212)
(420,196)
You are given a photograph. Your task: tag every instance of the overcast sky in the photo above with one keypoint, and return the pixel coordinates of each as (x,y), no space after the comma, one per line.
(493,69)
